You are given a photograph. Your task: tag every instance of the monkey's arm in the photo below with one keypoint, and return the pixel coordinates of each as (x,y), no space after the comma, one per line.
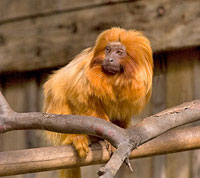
(79,141)
(63,105)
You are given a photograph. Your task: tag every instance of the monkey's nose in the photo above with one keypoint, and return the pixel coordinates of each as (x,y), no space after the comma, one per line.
(111,60)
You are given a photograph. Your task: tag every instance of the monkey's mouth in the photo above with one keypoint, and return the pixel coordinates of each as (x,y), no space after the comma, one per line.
(111,69)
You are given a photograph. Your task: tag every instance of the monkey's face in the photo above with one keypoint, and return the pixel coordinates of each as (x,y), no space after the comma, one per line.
(114,53)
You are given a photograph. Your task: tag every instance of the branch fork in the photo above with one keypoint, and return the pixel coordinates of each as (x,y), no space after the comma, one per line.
(125,140)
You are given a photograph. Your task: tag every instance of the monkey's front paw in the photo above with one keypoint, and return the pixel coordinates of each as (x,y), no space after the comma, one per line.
(81,143)
(111,149)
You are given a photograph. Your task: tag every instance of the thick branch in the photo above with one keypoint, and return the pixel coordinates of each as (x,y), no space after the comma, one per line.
(148,129)
(75,124)
(52,158)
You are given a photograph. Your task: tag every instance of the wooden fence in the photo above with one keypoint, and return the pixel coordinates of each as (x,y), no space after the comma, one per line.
(39,36)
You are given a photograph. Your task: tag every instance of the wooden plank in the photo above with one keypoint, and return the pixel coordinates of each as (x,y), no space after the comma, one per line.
(179,77)
(197,74)
(195,172)
(178,165)
(42,78)
(1,138)
(158,98)
(23,9)
(31,93)
(142,168)
(15,96)
(90,171)
(195,164)
(159,166)
(158,104)
(179,90)
(34,138)
(52,41)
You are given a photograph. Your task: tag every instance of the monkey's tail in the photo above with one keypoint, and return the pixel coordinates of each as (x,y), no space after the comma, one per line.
(70,173)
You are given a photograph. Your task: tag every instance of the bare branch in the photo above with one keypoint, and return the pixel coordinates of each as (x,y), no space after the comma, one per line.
(148,129)
(75,124)
(52,158)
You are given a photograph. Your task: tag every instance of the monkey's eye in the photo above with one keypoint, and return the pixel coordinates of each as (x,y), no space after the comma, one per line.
(120,52)
(107,49)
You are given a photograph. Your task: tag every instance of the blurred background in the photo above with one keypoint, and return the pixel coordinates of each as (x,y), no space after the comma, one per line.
(39,36)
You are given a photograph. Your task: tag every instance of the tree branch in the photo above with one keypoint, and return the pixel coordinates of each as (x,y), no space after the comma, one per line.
(148,129)
(124,140)
(75,124)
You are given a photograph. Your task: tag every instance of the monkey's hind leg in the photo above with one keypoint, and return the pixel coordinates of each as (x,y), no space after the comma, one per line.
(79,141)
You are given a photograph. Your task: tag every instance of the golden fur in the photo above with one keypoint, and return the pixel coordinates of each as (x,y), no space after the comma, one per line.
(82,88)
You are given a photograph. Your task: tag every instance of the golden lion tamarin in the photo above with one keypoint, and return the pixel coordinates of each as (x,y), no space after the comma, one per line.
(111,80)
